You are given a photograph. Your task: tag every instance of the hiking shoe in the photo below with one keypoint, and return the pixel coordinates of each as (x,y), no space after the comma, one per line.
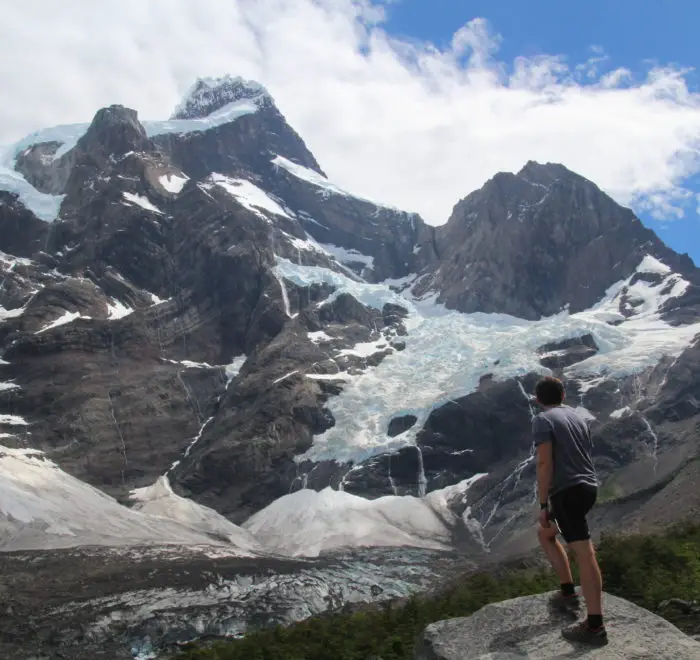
(561,602)
(584,634)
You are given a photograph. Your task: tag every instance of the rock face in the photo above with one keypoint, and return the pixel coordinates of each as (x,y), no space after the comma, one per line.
(532,243)
(525,628)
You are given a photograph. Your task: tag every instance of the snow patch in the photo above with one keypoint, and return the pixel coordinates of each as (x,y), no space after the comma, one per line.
(249,195)
(10,313)
(117,310)
(11,261)
(319,336)
(232,370)
(68,317)
(173,183)
(345,256)
(365,349)
(653,265)
(326,188)
(155,299)
(142,201)
(13,420)
(339,376)
(190,364)
(620,412)
(283,378)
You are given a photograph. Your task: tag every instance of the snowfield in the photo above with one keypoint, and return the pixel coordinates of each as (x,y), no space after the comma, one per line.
(160,501)
(310,523)
(42,507)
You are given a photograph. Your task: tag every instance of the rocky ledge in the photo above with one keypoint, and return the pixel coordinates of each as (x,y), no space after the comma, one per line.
(527,628)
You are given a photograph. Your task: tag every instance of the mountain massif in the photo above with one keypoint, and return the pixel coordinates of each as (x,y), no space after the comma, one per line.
(207,345)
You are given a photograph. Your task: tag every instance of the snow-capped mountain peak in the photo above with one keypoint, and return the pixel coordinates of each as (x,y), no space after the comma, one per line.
(208,95)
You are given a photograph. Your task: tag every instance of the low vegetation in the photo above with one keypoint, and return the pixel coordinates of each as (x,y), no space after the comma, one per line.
(646,570)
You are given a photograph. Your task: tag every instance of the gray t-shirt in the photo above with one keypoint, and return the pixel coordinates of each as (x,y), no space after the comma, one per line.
(571,446)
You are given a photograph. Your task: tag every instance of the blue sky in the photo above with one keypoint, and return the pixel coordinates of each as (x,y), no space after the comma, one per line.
(632,33)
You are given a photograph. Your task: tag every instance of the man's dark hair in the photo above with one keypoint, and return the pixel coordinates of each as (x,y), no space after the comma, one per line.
(550,391)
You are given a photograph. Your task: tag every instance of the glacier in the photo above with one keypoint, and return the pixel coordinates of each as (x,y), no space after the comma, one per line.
(431,373)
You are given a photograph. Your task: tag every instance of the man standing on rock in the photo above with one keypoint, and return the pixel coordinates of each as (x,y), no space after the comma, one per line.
(568,487)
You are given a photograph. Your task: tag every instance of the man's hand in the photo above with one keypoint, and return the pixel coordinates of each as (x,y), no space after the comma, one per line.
(544,518)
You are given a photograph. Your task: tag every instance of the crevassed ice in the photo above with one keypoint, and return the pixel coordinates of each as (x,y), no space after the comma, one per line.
(448,352)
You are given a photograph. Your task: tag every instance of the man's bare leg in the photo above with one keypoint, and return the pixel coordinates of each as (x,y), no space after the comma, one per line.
(555,553)
(591,577)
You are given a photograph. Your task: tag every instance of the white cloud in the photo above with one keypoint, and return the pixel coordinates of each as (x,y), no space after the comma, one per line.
(403,122)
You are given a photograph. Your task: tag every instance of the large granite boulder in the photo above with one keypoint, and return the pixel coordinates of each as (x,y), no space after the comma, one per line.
(526,628)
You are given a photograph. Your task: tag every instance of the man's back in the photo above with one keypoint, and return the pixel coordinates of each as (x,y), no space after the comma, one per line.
(571,446)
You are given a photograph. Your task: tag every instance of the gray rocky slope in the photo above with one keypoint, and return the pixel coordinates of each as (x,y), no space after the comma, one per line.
(199,307)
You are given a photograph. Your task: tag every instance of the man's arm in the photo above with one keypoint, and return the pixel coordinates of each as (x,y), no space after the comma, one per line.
(544,470)
(545,464)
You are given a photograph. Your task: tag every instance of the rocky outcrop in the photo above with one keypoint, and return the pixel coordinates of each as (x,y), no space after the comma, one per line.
(21,233)
(526,628)
(533,243)
(559,355)
(208,95)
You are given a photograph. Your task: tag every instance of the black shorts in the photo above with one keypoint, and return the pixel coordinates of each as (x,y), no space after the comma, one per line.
(569,509)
